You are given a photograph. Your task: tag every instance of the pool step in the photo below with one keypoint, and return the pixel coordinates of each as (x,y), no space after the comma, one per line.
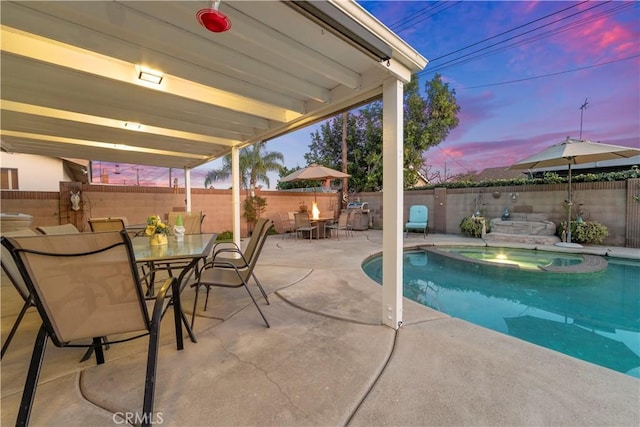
(590,264)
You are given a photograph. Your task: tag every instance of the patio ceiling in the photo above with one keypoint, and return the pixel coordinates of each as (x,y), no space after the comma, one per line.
(69,75)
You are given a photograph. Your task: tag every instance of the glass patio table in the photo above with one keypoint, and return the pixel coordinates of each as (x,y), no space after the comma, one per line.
(183,256)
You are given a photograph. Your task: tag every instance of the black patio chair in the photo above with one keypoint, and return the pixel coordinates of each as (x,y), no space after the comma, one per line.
(11,270)
(86,286)
(303,224)
(234,272)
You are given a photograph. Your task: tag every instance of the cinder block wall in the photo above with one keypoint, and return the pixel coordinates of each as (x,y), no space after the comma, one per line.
(607,202)
(137,203)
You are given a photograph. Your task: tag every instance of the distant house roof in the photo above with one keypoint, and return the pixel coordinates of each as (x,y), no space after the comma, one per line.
(500,172)
(422,180)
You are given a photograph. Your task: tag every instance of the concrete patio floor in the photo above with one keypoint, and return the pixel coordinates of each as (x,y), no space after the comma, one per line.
(325,361)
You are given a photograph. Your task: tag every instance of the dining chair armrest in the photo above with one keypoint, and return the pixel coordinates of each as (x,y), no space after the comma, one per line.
(226,264)
(229,250)
(214,250)
(162,293)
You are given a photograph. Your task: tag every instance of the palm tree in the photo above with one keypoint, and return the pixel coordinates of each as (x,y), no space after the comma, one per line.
(254,165)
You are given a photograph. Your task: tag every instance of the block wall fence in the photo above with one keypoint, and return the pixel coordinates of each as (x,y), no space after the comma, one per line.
(614,204)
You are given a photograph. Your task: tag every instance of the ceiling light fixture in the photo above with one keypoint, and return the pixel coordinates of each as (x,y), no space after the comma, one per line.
(212,19)
(133,126)
(150,76)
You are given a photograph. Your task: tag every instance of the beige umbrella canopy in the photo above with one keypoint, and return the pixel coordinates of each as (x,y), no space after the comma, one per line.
(574,152)
(314,172)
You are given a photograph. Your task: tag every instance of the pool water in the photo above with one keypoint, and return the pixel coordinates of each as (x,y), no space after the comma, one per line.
(591,316)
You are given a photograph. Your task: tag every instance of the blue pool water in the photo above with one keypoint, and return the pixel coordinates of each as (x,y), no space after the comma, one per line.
(590,316)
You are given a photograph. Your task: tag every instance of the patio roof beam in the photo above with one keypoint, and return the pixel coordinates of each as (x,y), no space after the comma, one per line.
(334,20)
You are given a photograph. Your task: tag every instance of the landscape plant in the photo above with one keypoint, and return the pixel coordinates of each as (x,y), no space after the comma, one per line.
(472,226)
(587,232)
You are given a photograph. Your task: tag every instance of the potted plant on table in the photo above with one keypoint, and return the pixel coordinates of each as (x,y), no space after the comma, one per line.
(157,231)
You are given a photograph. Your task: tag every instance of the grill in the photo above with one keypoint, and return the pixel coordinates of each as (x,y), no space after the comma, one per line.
(359,215)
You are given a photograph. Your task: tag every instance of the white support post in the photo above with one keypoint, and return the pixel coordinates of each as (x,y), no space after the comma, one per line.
(235,193)
(187,189)
(392,201)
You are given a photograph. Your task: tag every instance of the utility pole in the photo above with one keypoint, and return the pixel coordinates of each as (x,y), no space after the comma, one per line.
(582,108)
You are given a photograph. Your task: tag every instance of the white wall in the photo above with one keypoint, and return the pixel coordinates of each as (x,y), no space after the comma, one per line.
(35,173)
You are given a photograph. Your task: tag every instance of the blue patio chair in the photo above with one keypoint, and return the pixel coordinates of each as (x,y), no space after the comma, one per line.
(418,219)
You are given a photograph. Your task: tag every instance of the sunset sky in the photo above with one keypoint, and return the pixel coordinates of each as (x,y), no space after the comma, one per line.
(521,71)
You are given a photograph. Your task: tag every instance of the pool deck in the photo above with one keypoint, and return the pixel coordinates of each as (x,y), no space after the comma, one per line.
(325,361)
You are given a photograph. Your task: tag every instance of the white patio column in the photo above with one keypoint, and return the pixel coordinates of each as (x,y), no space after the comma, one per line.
(187,189)
(392,202)
(235,192)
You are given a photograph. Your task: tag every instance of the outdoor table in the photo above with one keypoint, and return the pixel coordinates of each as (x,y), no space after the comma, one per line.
(185,254)
(321,232)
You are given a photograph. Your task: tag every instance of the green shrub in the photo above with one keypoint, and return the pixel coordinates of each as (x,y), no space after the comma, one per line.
(548,178)
(225,236)
(588,232)
(472,226)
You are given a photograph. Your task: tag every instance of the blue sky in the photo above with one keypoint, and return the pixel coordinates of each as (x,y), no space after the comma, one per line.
(520,87)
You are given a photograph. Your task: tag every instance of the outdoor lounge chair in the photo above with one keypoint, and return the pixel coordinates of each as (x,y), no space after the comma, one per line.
(234,272)
(418,219)
(303,223)
(342,224)
(11,270)
(86,286)
(58,229)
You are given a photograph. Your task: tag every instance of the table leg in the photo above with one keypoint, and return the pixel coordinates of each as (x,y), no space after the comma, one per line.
(179,315)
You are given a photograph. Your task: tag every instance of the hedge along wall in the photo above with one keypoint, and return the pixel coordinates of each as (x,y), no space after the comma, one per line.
(610,203)
(136,203)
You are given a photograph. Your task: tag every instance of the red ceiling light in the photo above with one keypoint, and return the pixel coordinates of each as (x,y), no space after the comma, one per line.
(212,19)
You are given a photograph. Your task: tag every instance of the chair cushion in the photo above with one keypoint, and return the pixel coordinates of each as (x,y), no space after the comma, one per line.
(416,225)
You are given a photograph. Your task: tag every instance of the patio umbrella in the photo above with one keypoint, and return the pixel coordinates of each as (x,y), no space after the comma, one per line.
(574,152)
(315,173)
(575,341)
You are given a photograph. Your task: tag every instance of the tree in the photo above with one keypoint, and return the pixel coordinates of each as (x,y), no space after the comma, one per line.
(427,122)
(254,164)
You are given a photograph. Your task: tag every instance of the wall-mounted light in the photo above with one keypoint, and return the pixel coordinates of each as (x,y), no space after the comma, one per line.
(148,75)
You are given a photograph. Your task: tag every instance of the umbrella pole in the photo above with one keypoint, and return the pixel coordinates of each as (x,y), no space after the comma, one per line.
(569,205)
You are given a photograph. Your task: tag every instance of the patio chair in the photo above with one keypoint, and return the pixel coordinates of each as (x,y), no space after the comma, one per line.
(303,223)
(234,272)
(11,270)
(287,225)
(192,221)
(86,286)
(418,219)
(342,224)
(58,229)
(108,224)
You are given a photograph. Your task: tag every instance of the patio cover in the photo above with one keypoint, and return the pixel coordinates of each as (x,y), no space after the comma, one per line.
(70,86)
(70,75)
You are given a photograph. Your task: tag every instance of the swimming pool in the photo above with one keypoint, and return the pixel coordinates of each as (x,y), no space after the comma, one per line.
(591,316)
